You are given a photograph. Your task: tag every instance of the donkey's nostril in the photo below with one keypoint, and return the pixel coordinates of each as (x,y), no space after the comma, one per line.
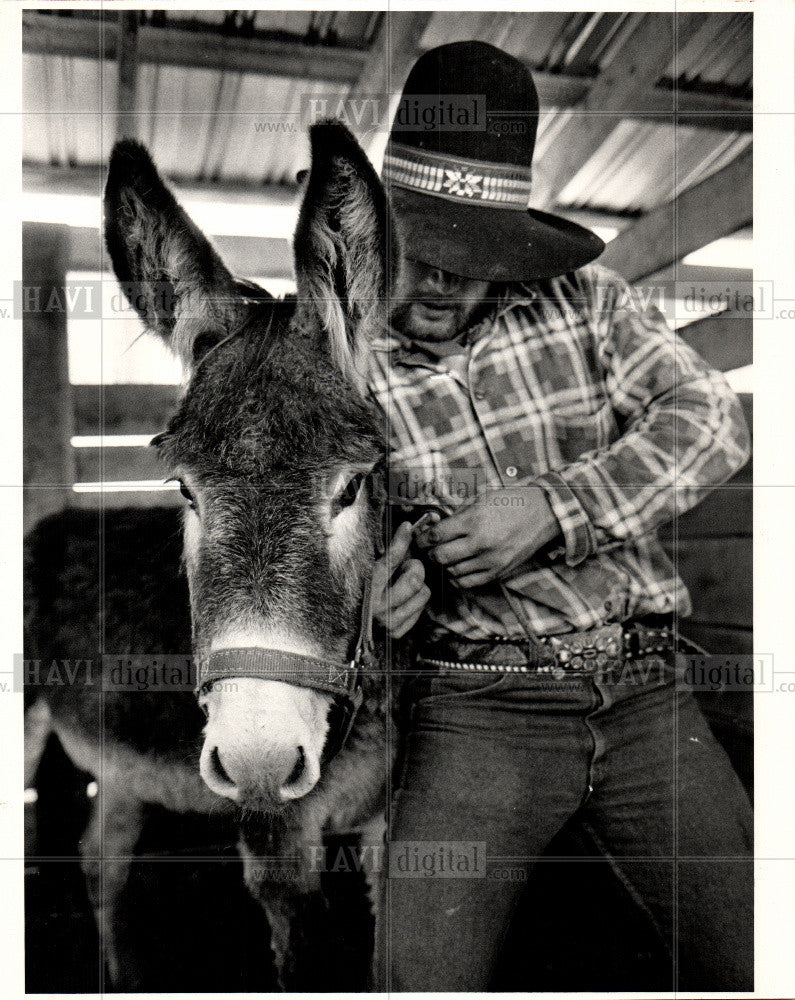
(300,764)
(218,767)
(215,774)
(303,777)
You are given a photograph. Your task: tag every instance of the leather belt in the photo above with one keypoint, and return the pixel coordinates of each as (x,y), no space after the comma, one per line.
(573,652)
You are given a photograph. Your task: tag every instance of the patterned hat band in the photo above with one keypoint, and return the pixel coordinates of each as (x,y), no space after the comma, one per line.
(478,182)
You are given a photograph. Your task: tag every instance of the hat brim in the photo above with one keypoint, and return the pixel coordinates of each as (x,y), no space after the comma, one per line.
(489,244)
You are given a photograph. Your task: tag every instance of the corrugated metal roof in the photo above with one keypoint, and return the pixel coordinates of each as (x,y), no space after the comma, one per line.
(208,125)
(570,42)
(349,28)
(220,126)
(63,100)
(199,124)
(718,54)
(644,164)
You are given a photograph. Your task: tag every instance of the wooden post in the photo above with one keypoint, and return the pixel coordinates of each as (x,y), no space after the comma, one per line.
(725,341)
(46,392)
(127,54)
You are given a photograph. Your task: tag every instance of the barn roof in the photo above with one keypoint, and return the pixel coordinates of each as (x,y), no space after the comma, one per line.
(645,132)
(222,104)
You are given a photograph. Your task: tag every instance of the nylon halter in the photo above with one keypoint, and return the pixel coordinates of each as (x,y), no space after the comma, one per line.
(342,680)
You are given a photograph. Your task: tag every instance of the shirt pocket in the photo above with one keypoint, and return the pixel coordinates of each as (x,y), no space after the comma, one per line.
(574,435)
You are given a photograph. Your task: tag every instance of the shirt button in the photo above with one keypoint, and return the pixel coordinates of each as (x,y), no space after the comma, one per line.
(479,394)
(511,471)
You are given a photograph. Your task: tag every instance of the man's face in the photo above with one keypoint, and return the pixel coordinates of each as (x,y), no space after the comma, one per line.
(432,304)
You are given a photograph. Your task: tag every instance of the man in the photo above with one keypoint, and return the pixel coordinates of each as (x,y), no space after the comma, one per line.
(551,425)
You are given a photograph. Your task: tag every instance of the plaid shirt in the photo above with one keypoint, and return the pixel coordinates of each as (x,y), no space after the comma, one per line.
(572,386)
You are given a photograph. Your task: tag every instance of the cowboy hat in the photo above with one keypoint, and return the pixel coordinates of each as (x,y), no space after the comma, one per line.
(458,170)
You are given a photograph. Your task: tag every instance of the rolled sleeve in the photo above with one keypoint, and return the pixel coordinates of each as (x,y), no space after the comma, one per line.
(579,537)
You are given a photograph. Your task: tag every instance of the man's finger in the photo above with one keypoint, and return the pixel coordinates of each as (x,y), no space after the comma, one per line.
(399,546)
(478,564)
(412,577)
(394,555)
(454,552)
(478,579)
(409,613)
(447,529)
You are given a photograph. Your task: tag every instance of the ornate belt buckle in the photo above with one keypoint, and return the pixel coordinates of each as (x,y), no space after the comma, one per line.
(566,652)
(584,650)
(608,645)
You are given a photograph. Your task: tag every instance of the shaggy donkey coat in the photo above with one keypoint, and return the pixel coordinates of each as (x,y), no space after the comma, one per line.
(273,444)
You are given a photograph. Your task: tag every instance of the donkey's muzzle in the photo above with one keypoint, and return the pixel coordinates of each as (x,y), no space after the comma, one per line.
(243,774)
(341,680)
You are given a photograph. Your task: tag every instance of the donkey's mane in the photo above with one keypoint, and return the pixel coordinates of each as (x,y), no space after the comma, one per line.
(270,399)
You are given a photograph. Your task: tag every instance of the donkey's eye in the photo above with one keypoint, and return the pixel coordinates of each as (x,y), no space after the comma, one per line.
(187,494)
(351,491)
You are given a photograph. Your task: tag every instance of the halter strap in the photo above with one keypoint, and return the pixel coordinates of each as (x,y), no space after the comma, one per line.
(278,665)
(342,680)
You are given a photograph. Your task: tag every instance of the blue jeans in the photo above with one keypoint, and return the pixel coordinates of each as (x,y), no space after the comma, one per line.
(503,761)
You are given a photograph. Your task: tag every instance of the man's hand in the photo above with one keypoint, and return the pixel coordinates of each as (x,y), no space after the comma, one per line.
(399,604)
(492,535)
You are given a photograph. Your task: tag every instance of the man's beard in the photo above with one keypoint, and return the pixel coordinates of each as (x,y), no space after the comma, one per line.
(407,318)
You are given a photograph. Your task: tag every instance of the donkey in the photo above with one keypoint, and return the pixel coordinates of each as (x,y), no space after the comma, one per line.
(278,452)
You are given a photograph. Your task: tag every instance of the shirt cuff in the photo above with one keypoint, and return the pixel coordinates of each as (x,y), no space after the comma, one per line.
(578,533)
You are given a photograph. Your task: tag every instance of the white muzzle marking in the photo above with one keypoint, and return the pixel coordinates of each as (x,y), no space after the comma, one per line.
(264,739)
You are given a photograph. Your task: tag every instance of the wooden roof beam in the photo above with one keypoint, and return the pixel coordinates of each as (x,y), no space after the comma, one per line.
(89,179)
(44,34)
(127,59)
(394,51)
(717,206)
(725,340)
(246,256)
(637,66)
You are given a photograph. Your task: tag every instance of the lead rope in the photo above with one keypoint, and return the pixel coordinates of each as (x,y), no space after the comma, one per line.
(531,635)
(364,644)
(362,657)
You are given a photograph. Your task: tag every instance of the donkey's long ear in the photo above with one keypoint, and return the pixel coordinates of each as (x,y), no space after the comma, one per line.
(343,246)
(167,268)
